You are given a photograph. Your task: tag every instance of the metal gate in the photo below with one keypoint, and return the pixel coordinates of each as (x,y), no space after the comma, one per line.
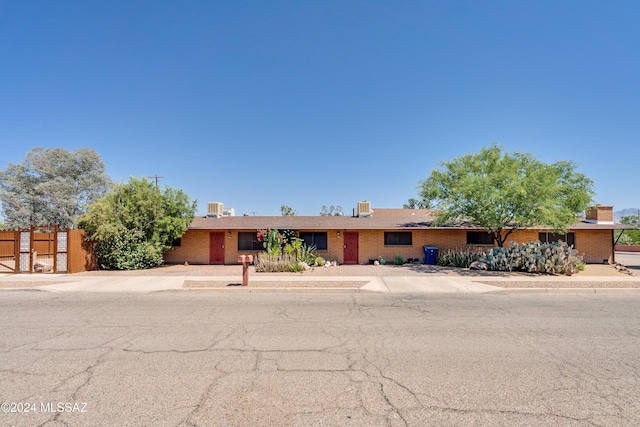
(8,249)
(37,250)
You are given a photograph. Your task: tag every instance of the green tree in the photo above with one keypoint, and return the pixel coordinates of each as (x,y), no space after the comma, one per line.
(504,192)
(287,211)
(331,211)
(135,223)
(51,186)
(629,237)
(416,204)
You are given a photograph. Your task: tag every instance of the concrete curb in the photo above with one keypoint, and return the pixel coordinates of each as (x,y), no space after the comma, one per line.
(250,290)
(569,290)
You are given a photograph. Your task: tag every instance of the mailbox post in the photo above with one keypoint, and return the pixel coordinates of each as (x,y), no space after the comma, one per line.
(245,260)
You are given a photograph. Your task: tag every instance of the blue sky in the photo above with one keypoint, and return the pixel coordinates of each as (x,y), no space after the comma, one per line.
(309,103)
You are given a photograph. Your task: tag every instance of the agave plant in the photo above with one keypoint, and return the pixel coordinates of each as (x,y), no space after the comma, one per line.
(458,258)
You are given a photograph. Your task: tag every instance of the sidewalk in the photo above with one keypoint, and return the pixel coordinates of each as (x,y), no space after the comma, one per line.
(388,279)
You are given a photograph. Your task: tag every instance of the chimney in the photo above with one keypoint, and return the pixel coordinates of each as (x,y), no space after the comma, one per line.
(600,214)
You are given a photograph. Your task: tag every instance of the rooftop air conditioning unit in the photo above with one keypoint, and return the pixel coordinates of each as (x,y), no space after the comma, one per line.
(228,212)
(364,209)
(215,209)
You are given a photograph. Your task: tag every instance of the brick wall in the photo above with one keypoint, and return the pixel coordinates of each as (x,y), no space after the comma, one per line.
(194,249)
(335,247)
(372,244)
(595,244)
(522,236)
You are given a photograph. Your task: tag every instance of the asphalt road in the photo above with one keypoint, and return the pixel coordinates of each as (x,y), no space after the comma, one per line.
(629,259)
(189,358)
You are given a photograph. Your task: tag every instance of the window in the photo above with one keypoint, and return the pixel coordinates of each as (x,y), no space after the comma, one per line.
(319,239)
(248,241)
(479,238)
(548,237)
(177,242)
(398,238)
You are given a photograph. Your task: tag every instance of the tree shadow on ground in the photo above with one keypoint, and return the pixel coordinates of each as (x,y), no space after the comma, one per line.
(437,269)
(633,268)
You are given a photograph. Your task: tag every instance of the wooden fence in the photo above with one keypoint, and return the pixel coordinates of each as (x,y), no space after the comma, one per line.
(45,250)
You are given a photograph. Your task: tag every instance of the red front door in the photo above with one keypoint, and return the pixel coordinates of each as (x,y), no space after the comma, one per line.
(351,248)
(216,248)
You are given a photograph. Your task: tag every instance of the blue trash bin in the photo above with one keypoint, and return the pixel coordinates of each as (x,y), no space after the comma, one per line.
(430,255)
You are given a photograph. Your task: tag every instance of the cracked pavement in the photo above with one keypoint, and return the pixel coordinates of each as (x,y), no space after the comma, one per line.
(185,359)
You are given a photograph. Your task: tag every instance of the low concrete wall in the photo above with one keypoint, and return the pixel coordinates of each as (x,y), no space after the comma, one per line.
(627,248)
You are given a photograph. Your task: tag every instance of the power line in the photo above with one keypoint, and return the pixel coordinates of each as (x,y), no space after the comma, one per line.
(156,177)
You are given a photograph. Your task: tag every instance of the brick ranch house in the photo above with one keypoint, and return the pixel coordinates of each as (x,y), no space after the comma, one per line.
(372,233)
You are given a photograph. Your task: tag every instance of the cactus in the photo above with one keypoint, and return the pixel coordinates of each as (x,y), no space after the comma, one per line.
(534,257)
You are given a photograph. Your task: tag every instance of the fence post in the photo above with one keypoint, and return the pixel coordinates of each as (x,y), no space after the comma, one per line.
(16,251)
(55,248)
(32,247)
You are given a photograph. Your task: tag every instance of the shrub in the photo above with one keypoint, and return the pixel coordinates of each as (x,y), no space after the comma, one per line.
(398,260)
(458,258)
(128,250)
(284,253)
(307,253)
(135,223)
(625,239)
(534,257)
(267,262)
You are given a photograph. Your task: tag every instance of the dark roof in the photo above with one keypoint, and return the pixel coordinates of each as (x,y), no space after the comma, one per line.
(387,219)
(309,223)
(584,225)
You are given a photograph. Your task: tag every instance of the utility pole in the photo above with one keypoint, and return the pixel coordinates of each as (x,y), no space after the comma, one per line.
(156,177)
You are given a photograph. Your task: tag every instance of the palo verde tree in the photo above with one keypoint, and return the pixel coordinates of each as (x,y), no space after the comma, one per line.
(504,192)
(331,211)
(135,223)
(51,186)
(287,211)
(629,237)
(416,204)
